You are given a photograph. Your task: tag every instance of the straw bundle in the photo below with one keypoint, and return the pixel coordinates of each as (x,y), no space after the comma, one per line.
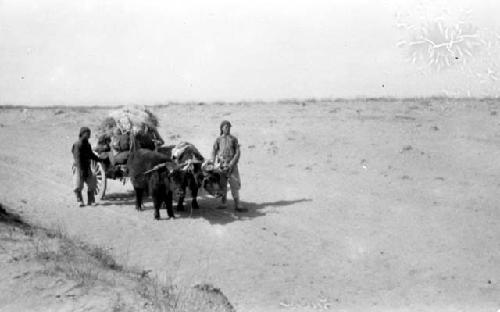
(128,119)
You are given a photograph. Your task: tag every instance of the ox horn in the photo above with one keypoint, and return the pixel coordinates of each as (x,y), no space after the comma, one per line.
(195,160)
(171,166)
(155,168)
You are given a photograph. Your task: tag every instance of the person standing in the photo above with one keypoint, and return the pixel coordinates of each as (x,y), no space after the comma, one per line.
(226,154)
(82,156)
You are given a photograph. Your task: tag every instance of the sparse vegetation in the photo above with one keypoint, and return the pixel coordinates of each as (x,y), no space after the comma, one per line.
(51,262)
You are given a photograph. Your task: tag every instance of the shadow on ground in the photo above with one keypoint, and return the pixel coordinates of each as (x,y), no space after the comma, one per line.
(210,210)
(119,199)
(209,207)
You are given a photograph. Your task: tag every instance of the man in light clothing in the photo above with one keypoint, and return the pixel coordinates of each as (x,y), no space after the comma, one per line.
(226,154)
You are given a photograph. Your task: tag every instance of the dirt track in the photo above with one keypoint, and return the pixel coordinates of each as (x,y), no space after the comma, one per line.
(353,205)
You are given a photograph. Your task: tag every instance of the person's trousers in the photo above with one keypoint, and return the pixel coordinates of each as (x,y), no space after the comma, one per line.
(234,182)
(79,180)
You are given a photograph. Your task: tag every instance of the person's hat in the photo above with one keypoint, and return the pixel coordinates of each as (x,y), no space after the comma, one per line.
(83,130)
(223,123)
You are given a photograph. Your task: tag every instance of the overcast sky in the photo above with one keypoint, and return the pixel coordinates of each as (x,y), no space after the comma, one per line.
(124,51)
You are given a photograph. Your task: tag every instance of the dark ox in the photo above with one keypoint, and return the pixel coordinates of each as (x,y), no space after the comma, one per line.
(194,177)
(212,182)
(159,186)
(187,174)
(146,175)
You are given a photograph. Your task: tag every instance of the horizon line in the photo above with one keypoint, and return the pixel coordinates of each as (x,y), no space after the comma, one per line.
(297,101)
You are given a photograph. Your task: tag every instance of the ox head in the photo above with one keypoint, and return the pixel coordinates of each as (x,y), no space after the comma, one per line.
(157,176)
(167,173)
(178,182)
(212,184)
(212,179)
(189,162)
(181,173)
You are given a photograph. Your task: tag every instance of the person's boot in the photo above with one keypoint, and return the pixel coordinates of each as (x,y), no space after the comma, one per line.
(194,204)
(180,204)
(91,198)
(237,206)
(223,204)
(79,199)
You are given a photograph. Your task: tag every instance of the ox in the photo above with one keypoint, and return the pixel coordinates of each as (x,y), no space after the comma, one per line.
(187,174)
(159,186)
(212,179)
(146,175)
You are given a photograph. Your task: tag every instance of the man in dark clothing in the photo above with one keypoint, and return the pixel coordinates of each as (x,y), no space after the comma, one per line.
(82,156)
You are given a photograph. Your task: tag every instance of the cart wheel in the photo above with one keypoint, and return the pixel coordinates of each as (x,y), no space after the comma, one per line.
(100,174)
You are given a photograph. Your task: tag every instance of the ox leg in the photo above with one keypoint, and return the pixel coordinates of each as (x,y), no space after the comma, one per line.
(194,194)
(157,200)
(138,198)
(180,203)
(168,204)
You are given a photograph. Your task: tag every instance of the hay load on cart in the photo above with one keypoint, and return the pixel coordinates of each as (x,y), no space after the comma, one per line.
(127,119)
(114,141)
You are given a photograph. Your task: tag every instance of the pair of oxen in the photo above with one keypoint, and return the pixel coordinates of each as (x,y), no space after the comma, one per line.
(165,174)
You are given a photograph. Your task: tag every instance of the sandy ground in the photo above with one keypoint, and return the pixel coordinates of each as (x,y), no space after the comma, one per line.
(44,270)
(356,206)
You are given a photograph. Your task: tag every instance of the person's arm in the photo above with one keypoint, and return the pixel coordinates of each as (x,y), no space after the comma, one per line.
(95,157)
(237,154)
(215,149)
(92,155)
(76,154)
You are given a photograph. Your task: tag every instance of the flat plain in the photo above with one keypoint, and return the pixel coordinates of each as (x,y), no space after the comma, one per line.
(376,205)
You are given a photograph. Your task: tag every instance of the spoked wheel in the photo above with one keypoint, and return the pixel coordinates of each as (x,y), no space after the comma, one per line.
(100,174)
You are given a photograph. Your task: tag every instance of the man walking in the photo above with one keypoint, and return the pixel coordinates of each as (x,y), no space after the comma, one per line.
(82,155)
(226,154)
